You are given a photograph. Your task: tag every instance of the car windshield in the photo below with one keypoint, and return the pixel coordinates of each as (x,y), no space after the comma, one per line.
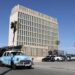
(17,53)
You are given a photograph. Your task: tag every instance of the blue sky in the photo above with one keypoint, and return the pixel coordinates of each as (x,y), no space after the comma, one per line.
(63,10)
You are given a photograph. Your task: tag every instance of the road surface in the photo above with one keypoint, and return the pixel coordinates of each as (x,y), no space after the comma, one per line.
(42,68)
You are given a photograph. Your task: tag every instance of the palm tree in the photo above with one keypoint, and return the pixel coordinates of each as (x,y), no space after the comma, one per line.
(13,26)
(50,52)
(55,52)
(57,42)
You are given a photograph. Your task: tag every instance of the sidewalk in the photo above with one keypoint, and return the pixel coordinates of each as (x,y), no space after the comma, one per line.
(37,59)
(66,66)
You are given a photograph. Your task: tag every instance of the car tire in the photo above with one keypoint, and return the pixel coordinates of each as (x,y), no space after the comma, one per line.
(58,60)
(29,67)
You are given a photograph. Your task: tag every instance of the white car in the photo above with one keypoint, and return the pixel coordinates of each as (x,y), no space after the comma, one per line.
(58,58)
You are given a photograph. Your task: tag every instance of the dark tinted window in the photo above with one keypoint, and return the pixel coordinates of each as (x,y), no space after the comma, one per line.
(5,54)
(17,53)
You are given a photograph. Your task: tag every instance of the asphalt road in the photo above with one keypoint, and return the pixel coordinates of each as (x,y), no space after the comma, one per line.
(45,68)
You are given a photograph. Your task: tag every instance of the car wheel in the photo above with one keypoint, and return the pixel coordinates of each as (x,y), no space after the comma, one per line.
(58,60)
(29,67)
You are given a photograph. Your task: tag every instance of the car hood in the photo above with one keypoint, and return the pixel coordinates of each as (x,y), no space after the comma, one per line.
(22,57)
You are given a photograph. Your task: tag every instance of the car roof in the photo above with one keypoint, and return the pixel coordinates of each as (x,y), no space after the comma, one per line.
(12,51)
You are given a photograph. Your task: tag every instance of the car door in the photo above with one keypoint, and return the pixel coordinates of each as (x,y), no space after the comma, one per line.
(48,58)
(7,58)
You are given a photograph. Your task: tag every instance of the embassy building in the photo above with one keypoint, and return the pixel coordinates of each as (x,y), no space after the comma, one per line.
(36,32)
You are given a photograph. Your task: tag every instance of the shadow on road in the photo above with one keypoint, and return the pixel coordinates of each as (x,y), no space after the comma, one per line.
(18,68)
(3,73)
(24,68)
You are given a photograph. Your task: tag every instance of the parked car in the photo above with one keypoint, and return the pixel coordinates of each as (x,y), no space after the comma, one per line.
(16,58)
(69,58)
(48,58)
(59,58)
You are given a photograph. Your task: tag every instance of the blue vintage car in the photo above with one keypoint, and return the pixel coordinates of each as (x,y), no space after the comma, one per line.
(16,58)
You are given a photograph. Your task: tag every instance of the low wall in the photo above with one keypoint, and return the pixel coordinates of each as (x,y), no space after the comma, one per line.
(37,59)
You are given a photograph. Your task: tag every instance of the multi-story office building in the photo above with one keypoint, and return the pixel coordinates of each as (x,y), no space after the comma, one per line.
(37,32)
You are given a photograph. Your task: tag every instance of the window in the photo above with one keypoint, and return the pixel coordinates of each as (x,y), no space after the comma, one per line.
(8,54)
(5,54)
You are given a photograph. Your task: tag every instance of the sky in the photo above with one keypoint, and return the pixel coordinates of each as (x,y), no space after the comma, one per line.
(63,10)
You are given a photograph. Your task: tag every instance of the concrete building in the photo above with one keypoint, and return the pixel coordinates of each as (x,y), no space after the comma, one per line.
(37,32)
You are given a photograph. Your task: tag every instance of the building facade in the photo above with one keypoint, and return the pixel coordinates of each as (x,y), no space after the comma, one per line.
(37,32)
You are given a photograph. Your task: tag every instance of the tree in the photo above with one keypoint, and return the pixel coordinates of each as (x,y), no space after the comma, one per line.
(57,42)
(55,52)
(49,52)
(13,26)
